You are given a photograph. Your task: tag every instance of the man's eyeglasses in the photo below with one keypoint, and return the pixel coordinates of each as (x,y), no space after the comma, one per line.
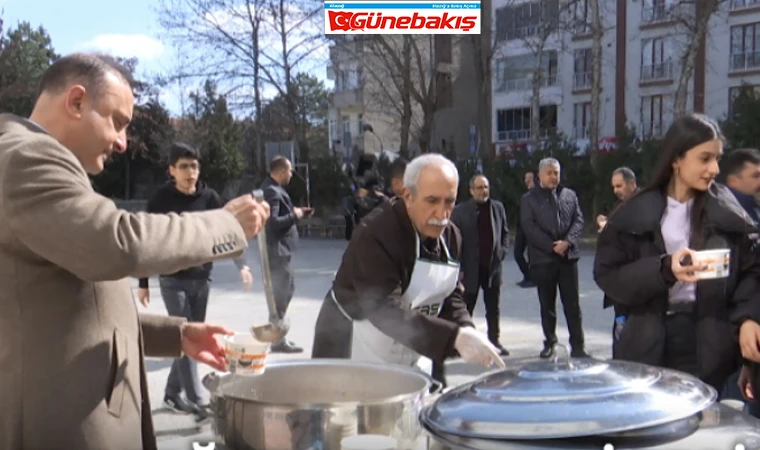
(480,188)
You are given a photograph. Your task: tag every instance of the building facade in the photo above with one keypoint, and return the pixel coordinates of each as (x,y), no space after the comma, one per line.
(642,49)
(365,108)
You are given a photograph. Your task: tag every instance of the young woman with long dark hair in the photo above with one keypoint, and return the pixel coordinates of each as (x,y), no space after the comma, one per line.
(643,263)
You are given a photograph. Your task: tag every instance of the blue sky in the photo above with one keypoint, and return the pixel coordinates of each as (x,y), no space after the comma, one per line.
(124,28)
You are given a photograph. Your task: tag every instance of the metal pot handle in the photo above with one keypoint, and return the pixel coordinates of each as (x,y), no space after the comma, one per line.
(437,386)
(211,382)
(566,362)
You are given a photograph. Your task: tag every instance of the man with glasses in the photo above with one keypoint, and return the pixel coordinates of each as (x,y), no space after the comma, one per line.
(185,293)
(485,240)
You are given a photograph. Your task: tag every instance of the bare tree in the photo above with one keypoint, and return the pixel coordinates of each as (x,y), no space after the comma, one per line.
(297,31)
(597,34)
(693,18)
(483,46)
(586,19)
(408,63)
(245,45)
(386,87)
(224,38)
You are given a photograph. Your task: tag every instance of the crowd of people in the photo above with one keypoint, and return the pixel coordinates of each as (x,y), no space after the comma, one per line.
(405,290)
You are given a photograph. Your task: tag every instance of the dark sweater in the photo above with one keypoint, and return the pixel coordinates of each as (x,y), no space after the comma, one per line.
(168,199)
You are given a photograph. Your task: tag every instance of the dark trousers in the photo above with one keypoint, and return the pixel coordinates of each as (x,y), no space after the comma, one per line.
(491,296)
(283,283)
(548,277)
(188,299)
(681,343)
(521,244)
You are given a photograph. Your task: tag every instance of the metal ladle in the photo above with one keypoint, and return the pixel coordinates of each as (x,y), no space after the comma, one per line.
(277,327)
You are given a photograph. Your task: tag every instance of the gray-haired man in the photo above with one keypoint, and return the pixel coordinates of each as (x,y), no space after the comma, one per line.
(624,186)
(552,220)
(397,295)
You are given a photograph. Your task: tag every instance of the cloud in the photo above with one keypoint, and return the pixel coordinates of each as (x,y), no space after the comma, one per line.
(140,46)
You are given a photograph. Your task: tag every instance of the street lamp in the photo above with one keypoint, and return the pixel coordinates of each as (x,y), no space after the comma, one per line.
(368,128)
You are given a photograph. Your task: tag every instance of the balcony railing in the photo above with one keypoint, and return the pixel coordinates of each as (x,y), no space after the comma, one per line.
(526,84)
(520,135)
(347,98)
(656,13)
(656,72)
(582,80)
(745,61)
(741,4)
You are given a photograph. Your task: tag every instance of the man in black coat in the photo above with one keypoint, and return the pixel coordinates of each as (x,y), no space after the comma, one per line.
(282,237)
(553,222)
(624,186)
(485,240)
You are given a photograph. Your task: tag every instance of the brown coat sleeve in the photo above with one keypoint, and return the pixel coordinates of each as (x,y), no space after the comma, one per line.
(53,210)
(162,335)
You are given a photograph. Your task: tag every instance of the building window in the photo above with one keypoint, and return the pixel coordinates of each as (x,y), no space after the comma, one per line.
(745,46)
(526,19)
(347,137)
(582,69)
(655,11)
(346,80)
(581,120)
(652,116)
(516,72)
(656,59)
(741,4)
(734,92)
(514,124)
(581,14)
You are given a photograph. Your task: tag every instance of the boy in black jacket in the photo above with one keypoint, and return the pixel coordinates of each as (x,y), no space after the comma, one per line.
(185,293)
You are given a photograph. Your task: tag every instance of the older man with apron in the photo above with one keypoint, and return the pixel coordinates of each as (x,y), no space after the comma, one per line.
(396,296)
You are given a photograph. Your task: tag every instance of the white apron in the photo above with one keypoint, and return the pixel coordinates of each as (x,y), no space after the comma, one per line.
(429,286)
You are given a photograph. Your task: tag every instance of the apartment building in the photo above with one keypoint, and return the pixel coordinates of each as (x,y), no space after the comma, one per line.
(349,115)
(364,113)
(641,54)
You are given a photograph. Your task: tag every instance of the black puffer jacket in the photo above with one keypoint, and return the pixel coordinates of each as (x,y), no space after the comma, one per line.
(633,269)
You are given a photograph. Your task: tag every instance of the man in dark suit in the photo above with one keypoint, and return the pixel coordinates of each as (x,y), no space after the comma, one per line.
(282,237)
(485,240)
(553,222)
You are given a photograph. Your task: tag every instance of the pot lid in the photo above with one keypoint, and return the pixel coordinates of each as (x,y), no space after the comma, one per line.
(567,398)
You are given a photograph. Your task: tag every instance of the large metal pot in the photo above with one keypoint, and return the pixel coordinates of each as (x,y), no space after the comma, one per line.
(314,404)
(586,404)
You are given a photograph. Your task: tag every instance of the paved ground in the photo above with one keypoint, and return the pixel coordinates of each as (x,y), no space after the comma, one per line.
(315,264)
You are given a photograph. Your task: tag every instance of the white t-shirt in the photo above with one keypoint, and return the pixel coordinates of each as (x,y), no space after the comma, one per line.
(675,226)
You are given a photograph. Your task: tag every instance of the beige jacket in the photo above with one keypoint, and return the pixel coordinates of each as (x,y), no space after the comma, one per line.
(72,344)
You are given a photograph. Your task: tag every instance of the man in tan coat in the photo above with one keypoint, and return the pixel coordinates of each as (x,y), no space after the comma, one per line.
(72,344)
